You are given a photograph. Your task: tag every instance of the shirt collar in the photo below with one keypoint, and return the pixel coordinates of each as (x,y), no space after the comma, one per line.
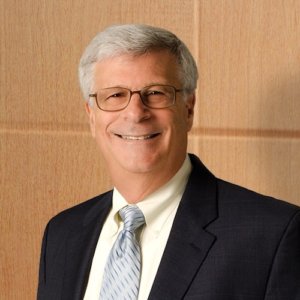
(158,206)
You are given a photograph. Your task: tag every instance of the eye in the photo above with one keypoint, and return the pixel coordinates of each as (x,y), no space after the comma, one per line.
(154,93)
(115,95)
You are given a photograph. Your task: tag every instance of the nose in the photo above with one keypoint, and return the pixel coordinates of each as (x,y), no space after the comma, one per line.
(136,111)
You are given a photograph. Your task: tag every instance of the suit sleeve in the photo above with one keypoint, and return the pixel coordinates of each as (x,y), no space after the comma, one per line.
(42,268)
(284,279)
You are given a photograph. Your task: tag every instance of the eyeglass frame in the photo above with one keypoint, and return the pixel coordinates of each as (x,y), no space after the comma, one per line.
(94,95)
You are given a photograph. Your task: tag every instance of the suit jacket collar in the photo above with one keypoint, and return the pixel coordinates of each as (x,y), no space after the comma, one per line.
(189,242)
(81,247)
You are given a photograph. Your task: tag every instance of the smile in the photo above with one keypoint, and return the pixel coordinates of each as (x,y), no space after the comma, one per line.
(137,138)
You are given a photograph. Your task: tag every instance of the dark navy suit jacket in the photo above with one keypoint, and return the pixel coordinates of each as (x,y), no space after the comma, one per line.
(226,243)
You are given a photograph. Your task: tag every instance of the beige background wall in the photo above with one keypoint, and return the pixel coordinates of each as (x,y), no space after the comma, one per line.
(247,127)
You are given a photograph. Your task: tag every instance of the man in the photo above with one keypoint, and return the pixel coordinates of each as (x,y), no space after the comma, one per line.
(198,237)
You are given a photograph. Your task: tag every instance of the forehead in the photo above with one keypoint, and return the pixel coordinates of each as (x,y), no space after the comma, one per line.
(136,71)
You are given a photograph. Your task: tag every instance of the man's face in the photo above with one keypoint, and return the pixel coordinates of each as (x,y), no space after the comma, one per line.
(141,140)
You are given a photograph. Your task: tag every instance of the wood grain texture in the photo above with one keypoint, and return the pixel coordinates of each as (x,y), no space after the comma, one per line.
(43,42)
(265,165)
(249,54)
(45,173)
(247,125)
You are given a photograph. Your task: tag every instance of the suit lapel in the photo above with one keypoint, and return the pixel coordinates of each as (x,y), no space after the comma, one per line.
(189,242)
(81,247)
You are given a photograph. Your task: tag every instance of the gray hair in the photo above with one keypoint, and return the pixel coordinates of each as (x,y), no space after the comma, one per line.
(135,39)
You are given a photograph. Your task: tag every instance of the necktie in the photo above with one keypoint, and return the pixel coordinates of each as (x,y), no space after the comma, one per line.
(122,271)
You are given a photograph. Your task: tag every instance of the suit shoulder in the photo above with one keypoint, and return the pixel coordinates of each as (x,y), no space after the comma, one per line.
(235,197)
(76,213)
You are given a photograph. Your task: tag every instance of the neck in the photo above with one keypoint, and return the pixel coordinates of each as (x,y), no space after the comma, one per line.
(137,186)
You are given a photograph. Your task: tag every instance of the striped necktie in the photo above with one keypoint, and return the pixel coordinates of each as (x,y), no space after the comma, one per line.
(122,271)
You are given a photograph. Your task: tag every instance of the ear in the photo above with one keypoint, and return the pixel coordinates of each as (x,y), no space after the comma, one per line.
(190,104)
(91,115)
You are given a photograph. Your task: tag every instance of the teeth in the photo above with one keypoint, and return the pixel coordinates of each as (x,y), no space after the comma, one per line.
(142,137)
(137,137)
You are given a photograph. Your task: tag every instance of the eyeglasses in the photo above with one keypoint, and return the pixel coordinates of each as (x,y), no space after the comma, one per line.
(152,96)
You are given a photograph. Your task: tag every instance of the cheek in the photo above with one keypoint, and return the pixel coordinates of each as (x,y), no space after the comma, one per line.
(92,122)
(188,119)
(183,120)
(102,121)
(97,126)
(176,120)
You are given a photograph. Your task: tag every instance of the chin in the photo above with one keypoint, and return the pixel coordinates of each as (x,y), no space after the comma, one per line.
(140,165)
(139,168)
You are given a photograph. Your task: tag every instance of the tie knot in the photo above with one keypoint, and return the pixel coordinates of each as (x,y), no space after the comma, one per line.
(132,217)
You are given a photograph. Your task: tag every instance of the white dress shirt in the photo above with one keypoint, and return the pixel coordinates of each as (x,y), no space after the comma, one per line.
(159,210)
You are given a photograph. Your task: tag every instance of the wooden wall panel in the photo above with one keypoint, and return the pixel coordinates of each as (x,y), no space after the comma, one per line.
(45,172)
(266,165)
(249,56)
(248,97)
(246,122)
(42,47)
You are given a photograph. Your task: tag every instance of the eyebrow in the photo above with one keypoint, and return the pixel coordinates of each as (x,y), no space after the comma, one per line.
(127,87)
